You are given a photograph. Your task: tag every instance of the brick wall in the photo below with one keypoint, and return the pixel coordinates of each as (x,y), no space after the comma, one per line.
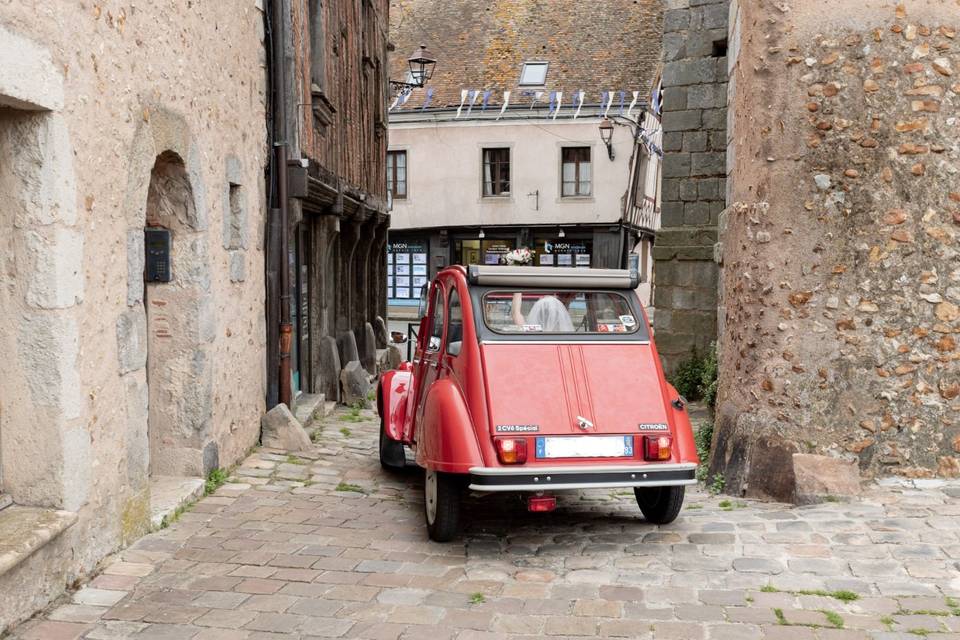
(694,175)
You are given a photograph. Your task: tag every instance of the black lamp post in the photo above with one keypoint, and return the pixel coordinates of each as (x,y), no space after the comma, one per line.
(421,65)
(606,135)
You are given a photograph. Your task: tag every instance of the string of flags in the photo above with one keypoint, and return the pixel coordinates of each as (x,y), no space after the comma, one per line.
(620,103)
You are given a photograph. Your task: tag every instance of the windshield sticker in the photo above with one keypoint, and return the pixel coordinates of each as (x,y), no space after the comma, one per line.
(653,426)
(611,328)
(517,428)
(628,321)
(532,327)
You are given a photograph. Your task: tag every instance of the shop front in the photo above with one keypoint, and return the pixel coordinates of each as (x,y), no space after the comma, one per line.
(407,270)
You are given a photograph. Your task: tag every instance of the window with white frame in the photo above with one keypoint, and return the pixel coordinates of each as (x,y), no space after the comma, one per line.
(533,73)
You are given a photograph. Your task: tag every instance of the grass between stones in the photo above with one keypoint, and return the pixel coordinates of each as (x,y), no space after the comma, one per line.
(477,598)
(840,594)
(346,486)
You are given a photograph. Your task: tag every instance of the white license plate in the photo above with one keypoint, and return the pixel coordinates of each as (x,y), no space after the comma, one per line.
(585,447)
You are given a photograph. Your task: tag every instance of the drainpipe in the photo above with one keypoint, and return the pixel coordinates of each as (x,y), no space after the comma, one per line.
(280,184)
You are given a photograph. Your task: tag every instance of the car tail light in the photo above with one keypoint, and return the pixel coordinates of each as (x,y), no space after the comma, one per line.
(541,504)
(656,448)
(511,450)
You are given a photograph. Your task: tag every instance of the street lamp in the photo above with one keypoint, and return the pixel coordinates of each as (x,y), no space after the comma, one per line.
(606,135)
(421,65)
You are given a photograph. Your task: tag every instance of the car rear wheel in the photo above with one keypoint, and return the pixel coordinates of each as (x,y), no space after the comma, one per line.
(392,457)
(660,505)
(441,504)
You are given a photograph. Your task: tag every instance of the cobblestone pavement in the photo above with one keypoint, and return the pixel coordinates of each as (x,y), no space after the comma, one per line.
(328,545)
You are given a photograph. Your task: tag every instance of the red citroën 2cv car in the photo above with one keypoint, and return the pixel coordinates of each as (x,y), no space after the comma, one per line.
(536,380)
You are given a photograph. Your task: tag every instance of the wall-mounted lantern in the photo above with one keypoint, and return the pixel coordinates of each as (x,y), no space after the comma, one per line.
(606,135)
(421,64)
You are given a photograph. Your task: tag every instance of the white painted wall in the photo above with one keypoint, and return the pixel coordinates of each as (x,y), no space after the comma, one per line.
(444,165)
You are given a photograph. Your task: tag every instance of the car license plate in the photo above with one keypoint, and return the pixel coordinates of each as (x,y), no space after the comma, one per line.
(585,447)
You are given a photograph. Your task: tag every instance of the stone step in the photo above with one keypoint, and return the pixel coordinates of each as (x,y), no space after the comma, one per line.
(5,501)
(310,407)
(23,530)
(168,493)
(329,407)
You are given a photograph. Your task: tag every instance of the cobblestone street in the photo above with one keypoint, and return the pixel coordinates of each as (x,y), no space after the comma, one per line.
(328,545)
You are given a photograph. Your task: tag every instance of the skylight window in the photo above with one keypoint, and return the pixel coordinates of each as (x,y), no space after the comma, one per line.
(533,73)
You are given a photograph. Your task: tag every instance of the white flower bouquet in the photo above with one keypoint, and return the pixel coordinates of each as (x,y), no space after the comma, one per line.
(519,256)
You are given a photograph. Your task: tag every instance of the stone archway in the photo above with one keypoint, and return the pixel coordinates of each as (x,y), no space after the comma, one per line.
(165,187)
(178,324)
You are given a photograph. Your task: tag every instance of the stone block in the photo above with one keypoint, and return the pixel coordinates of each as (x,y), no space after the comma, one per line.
(696,213)
(708,189)
(347,346)
(355,384)
(676,165)
(706,96)
(56,279)
(687,72)
(135,266)
(29,78)
(674,48)
(671,189)
(717,140)
(714,119)
(695,141)
(388,359)
(280,430)
(714,16)
(329,363)
(709,163)
(699,42)
(770,469)
(676,20)
(671,213)
(688,190)
(238,266)
(819,476)
(368,349)
(380,329)
(672,141)
(674,98)
(687,120)
(48,346)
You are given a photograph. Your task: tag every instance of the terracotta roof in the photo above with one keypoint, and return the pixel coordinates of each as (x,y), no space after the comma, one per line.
(593,46)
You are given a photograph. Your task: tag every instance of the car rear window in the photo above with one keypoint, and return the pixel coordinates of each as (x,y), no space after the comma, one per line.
(558,312)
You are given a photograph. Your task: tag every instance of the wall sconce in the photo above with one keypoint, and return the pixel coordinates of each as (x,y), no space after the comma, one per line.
(561,233)
(481,235)
(606,135)
(421,64)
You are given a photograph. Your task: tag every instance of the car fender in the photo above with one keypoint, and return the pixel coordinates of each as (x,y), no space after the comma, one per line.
(447,440)
(682,429)
(395,385)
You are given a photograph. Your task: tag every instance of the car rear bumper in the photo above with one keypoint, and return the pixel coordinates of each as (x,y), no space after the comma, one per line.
(581,477)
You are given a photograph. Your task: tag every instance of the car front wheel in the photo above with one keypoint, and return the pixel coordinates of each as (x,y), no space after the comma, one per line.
(660,505)
(441,503)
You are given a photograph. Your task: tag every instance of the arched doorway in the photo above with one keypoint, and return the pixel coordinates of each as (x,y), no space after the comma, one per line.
(179,326)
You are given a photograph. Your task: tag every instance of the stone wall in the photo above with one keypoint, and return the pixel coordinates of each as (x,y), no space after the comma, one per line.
(694,170)
(840,263)
(81,129)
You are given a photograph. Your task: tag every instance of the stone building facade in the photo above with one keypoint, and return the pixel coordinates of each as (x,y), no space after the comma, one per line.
(114,391)
(335,71)
(837,252)
(840,271)
(694,176)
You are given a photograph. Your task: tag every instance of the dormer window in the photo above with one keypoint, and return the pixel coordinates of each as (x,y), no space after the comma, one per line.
(533,74)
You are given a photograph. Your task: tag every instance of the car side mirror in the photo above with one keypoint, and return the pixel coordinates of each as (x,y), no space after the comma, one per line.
(454,348)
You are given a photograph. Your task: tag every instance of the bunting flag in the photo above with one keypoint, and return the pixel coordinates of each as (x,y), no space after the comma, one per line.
(609,97)
(579,96)
(603,99)
(536,98)
(472,99)
(636,94)
(463,98)
(427,100)
(553,103)
(559,104)
(486,99)
(656,100)
(623,94)
(506,101)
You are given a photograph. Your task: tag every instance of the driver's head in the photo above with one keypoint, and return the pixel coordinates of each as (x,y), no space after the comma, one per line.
(566,297)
